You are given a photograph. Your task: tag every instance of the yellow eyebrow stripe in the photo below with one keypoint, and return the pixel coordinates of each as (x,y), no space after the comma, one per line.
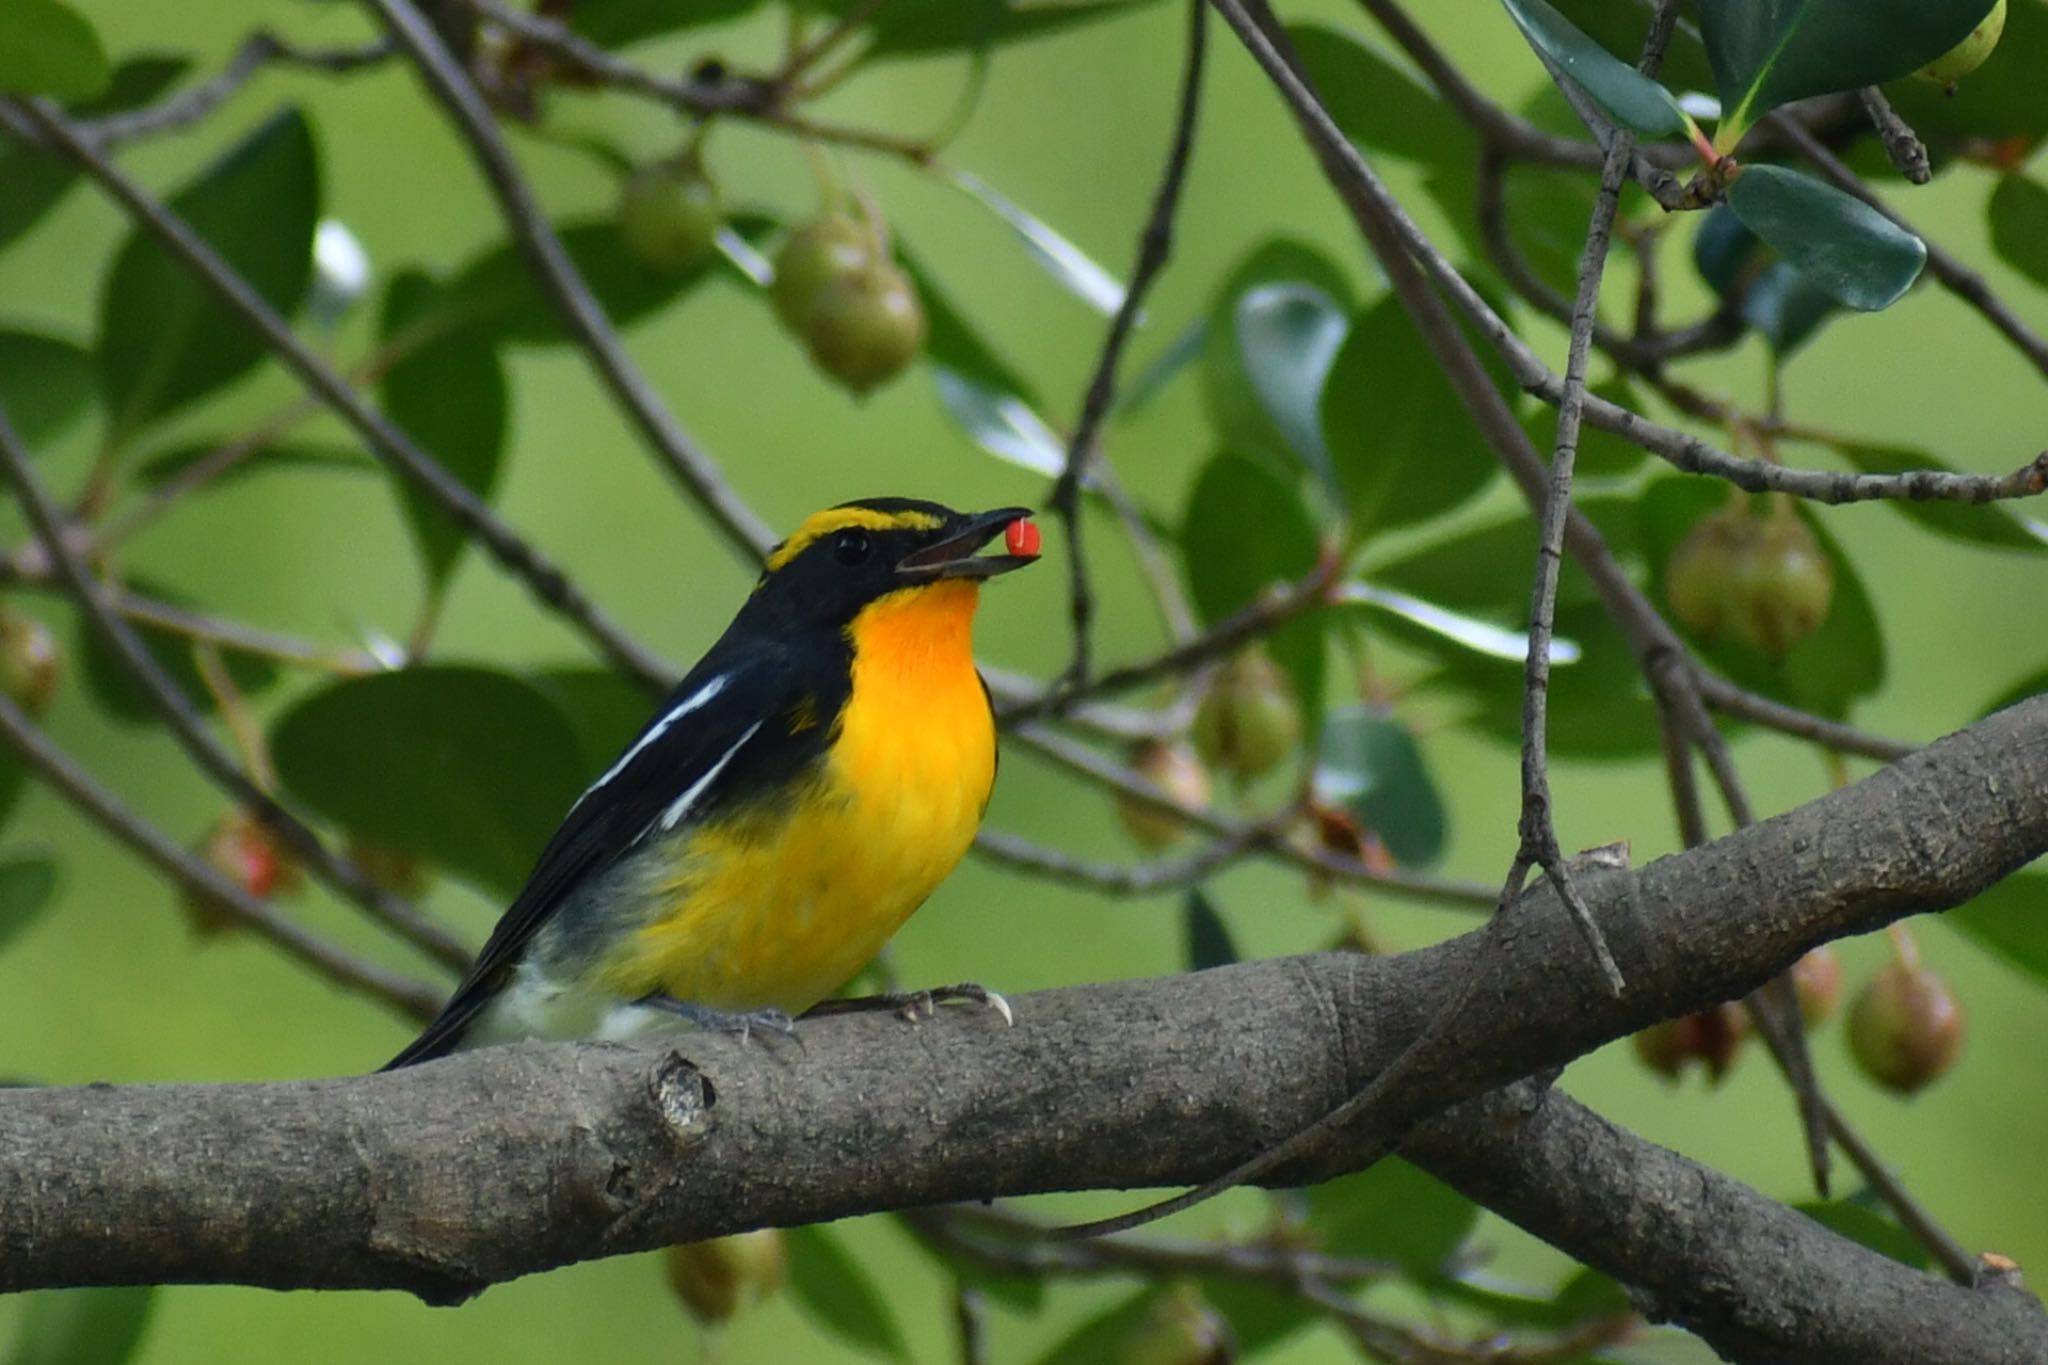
(832,519)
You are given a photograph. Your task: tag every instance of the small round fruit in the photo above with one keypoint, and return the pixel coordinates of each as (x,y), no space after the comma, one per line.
(864,327)
(717,1277)
(1712,1037)
(1817,980)
(813,256)
(1783,586)
(1180,1328)
(31,661)
(1905,1027)
(1174,769)
(1700,575)
(1248,722)
(1966,56)
(670,212)
(241,850)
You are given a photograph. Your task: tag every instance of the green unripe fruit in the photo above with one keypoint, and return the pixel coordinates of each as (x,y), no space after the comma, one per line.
(1783,586)
(717,1277)
(1174,769)
(1905,1027)
(864,327)
(1180,1328)
(31,661)
(670,212)
(813,256)
(1966,56)
(1697,578)
(1817,981)
(1248,722)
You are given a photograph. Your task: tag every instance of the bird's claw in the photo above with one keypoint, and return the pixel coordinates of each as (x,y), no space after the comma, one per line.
(739,1024)
(912,1006)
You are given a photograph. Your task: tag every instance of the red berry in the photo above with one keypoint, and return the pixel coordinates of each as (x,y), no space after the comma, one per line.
(1022,538)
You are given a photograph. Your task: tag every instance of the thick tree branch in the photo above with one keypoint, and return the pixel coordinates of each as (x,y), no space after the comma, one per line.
(458,1174)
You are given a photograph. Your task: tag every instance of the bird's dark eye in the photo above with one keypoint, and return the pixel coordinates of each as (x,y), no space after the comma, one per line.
(852,547)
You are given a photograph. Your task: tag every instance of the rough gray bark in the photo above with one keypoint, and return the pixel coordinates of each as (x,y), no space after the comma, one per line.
(452,1176)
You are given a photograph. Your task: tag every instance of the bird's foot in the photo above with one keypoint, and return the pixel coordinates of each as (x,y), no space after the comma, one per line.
(915,1005)
(740,1024)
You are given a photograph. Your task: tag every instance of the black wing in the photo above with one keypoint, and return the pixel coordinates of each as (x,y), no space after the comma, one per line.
(669,773)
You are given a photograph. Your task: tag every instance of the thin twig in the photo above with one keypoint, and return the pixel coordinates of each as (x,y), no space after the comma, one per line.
(1155,247)
(1162,874)
(1901,143)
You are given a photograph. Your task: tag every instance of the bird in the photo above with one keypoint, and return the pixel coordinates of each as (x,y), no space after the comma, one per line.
(804,788)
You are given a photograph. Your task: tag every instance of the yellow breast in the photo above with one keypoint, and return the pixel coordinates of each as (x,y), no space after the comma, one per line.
(780,907)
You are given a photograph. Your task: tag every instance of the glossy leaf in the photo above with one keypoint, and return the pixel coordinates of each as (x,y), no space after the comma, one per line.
(839,1295)
(1000,423)
(1236,409)
(1843,247)
(27,881)
(2011,921)
(451,396)
(1626,94)
(101,1326)
(1999,525)
(1768,52)
(1072,268)
(1207,936)
(1287,336)
(45,383)
(1369,763)
(1997,108)
(116,691)
(1773,298)
(604,710)
(1620,29)
(468,767)
(1395,1212)
(48,48)
(1868,1227)
(164,341)
(33,180)
(1376,103)
(2018,217)
(1401,440)
(1415,619)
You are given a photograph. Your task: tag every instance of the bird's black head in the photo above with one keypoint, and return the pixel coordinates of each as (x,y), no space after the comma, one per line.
(846,557)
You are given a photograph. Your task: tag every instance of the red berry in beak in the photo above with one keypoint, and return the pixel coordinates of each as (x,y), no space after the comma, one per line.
(1021,537)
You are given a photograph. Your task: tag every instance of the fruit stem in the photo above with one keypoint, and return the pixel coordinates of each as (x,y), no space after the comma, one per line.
(1904,950)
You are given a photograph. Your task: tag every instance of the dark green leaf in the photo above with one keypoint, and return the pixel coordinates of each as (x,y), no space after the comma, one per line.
(1287,335)
(838,1295)
(467,767)
(45,383)
(1586,1295)
(2018,692)
(1996,108)
(450,395)
(919,28)
(615,23)
(13,781)
(1401,440)
(1867,1227)
(1100,1340)
(115,689)
(1620,29)
(33,180)
(164,341)
(1241,417)
(2010,920)
(1768,52)
(1996,524)
(26,883)
(604,709)
(1369,763)
(82,1326)
(1601,454)
(1261,1316)
(1378,104)
(952,341)
(1184,350)
(1774,298)
(1073,269)
(166,465)
(1394,1212)
(1208,937)
(1842,246)
(47,48)
(2018,216)
(1628,96)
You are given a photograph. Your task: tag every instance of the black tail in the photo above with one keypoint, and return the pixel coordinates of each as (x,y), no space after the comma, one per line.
(442,1036)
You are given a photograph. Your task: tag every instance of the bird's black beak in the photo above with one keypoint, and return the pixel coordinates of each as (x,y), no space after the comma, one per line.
(956,557)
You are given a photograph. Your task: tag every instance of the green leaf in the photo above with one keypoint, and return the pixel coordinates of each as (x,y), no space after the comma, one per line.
(2011,921)
(470,768)
(1626,94)
(1601,454)
(1100,1340)
(1000,423)
(1434,630)
(1208,937)
(1842,246)
(1392,1211)
(2018,217)
(1287,336)
(1768,52)
(1585,1294)
(27,880)
(1377,103)
(1773,298)
(604,710)
(166,465)
(1998,107)
(1070,267)
(919,28)
(952,341)
(164,341)
(1369,763)
(451,396)
(1236,408)
(615,23)
(1180,353)
(45,383)
(47,48)
(100,1326)
(2026,687)
(33,180)
(1867,1227)
(117,692)
(1996,524)
(1402,442)
(838,1295)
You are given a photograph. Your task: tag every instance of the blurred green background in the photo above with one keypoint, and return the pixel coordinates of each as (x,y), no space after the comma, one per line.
(112,987)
